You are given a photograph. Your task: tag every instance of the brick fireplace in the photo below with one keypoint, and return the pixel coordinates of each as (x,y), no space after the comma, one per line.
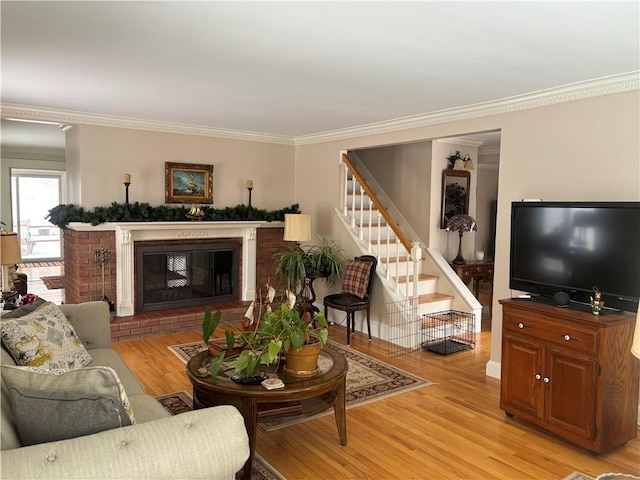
(257,241)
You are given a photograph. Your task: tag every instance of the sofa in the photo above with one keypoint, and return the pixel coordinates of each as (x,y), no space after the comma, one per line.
(210,443)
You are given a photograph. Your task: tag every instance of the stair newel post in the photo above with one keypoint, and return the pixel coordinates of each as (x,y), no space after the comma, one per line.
(416,256)
(388,248)
(407,266)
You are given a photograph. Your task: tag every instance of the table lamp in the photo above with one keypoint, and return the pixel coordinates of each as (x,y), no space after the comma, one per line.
(297,228)
(9,256)
(461,224)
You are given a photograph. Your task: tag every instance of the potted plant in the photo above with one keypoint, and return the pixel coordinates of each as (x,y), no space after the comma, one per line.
(301,263)
(282,330)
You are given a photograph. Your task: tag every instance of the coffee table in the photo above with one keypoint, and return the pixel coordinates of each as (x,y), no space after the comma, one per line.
(305,397)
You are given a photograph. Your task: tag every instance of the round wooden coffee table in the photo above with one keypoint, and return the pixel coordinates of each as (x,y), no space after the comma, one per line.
(298,398)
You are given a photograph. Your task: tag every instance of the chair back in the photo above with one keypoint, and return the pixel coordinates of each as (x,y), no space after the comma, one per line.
(372,272)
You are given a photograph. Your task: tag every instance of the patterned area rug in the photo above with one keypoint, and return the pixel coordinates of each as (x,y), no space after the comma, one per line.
(602,476)
(577,476)
(180,402)
(368,380)
(53,283)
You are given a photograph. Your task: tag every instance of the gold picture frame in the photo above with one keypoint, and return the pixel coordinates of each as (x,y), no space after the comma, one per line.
(188,183)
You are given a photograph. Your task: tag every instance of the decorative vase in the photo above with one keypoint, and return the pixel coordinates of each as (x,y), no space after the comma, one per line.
(303,362)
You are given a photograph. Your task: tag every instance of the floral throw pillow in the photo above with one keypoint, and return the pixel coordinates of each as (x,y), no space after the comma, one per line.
(45,339)
(356,278)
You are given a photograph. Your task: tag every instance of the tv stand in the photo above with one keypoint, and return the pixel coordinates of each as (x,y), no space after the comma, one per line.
(570,372)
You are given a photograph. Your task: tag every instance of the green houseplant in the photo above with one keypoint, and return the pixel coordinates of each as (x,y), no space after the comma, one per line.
(279,331)
(299,263)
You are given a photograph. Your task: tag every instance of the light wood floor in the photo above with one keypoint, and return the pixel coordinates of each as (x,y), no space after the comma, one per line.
(451,430)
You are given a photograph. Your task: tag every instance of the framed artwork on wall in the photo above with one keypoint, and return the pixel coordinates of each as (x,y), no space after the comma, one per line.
(188,183)
(455,194)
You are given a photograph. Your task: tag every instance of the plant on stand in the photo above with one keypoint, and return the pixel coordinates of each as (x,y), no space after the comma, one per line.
(301,265)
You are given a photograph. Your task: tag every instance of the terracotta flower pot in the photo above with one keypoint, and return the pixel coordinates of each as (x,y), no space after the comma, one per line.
(303,362)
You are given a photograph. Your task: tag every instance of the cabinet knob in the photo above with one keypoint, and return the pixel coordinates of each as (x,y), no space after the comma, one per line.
(538,376)
(521,325)
(567,337)
(546,380)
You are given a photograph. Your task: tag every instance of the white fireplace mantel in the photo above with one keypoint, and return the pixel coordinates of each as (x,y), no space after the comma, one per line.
(127,233)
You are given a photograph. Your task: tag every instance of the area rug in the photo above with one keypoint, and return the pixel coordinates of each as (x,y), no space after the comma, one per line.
(368,380)
(602,476)
(577,476)
(180,402)
(53,283)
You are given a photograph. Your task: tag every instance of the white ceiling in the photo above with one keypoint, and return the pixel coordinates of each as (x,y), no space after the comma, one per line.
(300,68)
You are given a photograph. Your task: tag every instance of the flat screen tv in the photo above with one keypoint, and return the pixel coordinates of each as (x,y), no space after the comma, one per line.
(572,247)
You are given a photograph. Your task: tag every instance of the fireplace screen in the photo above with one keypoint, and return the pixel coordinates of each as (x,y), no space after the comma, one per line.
(178,276)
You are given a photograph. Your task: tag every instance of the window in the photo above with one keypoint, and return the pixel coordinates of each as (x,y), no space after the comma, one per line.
(33,194)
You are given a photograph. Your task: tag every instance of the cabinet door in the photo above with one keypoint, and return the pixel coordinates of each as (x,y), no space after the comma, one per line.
(570,402)
(521,389)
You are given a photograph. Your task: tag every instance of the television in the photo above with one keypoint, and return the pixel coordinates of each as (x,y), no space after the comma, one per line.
(572,247)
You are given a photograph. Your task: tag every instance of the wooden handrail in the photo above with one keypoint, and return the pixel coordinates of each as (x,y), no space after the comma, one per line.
(381,208)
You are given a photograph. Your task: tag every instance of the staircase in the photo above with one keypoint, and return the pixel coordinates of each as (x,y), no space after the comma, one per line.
(406,275)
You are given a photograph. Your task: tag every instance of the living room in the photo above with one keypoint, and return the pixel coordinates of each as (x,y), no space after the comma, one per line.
(574,142)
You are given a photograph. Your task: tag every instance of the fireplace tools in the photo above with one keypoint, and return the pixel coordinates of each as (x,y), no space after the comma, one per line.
(103,257)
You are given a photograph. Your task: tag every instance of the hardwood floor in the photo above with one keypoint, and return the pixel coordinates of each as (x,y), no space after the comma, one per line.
(451,430)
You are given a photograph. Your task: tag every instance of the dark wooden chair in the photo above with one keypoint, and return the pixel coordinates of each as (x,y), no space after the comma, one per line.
(356,292)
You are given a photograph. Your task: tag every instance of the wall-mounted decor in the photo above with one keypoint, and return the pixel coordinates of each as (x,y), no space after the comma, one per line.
(455,194)
(188,183)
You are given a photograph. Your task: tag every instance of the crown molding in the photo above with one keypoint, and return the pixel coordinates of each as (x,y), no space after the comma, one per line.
(466,142)
(568,93)
(68,118)
(576,91)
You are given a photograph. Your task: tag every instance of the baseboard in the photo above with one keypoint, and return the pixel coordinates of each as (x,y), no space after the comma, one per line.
(493,369)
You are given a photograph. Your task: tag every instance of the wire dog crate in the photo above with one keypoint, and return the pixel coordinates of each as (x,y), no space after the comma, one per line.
(447,332)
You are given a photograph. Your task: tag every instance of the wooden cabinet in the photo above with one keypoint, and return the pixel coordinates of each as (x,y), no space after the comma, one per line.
(477,271)
(570,372)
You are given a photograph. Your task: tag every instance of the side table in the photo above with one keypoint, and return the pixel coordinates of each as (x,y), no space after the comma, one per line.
(476,272)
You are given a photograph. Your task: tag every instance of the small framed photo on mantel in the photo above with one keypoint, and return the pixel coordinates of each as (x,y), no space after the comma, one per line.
(188,183)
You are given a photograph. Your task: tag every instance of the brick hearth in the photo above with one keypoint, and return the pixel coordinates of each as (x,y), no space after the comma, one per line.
(164,322)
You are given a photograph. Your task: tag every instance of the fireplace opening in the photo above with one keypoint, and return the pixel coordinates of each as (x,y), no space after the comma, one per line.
(171,276)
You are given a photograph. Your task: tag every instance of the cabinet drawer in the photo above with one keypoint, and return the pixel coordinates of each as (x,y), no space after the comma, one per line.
(559,333)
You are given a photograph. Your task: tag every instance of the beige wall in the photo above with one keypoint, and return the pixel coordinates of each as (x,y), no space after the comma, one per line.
(486,193)
(97,158)
(404,173)
(580,150)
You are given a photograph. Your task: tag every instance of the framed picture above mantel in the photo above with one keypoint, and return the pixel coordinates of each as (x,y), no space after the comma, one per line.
(188,183)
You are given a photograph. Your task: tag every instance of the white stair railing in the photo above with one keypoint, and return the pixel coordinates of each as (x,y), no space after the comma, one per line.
(405,262)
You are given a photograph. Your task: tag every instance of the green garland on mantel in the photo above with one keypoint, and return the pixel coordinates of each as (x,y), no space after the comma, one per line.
(62,215)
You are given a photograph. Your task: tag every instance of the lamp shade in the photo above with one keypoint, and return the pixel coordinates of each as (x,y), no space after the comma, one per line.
(461,223)
(458,164)
(297,227)
(635,347)
(468,163)
(9,249)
